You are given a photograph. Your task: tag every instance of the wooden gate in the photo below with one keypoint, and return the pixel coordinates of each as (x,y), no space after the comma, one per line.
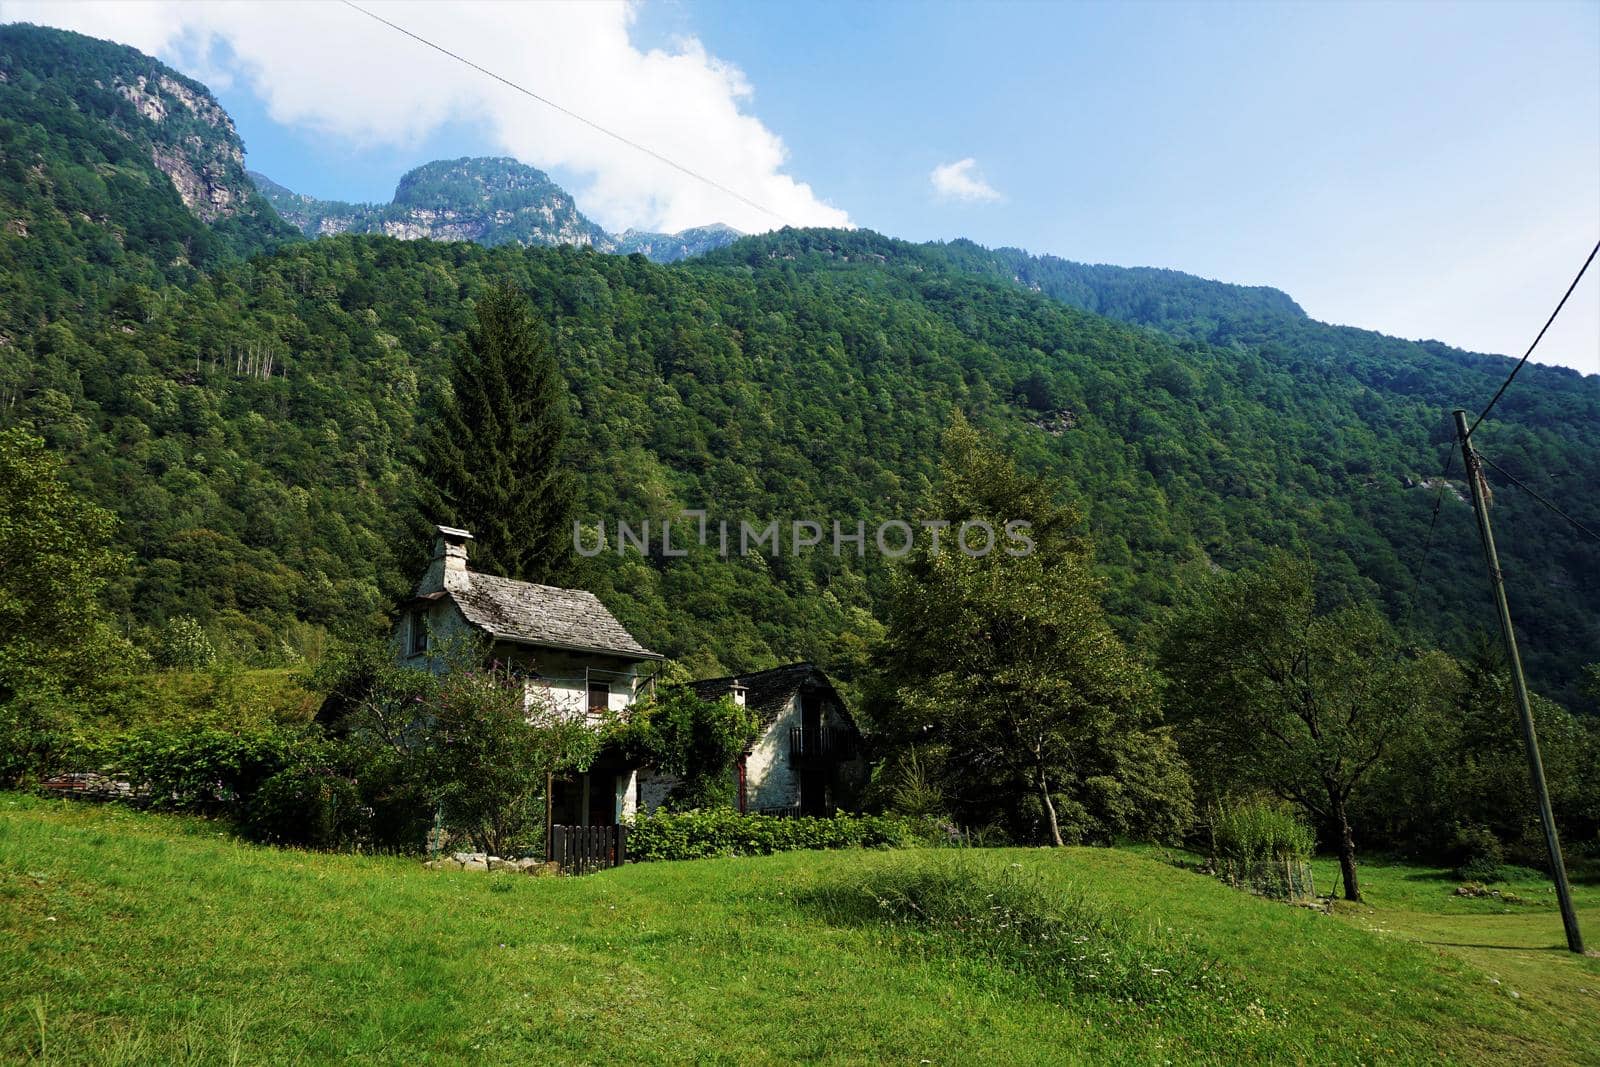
(582,849)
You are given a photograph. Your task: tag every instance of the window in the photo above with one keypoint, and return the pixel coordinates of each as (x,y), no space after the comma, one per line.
(599,698)
(417,631)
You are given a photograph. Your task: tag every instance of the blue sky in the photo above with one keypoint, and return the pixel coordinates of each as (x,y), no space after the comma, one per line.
(1428,170)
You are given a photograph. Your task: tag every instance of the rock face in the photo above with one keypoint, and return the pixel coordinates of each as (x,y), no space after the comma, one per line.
(71,81)
(193,142)
(488,201)
(671,247)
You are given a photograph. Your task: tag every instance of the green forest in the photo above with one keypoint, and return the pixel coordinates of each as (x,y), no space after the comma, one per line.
(252,408)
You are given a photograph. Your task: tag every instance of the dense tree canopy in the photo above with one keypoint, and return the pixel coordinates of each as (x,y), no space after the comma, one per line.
(55,558)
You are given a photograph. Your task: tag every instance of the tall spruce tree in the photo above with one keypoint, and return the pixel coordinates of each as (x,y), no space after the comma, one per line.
(494,460)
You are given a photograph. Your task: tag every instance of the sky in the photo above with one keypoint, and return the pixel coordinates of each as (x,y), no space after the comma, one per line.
(1426,170)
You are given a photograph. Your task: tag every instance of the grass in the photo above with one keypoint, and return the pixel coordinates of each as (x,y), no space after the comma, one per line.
(135,938)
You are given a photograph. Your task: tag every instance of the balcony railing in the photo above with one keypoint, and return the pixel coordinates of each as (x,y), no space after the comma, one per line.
(822,742)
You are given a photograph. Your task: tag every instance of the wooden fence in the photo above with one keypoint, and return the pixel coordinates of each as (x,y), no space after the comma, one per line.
(582,849)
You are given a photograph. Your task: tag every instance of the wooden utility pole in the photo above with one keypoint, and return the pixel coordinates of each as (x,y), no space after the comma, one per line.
(1530,737)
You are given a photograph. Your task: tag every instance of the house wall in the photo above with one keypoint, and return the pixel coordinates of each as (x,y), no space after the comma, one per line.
(627,795)
(563,675)
(651,789)
(771,778)
(445,625)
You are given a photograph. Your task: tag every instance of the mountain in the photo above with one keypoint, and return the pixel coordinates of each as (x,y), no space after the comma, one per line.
(115,171)
(671,247)
(254,422)
(489,201)
(486,201)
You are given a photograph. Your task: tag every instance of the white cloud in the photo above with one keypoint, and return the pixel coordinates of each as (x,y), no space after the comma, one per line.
(962,180)
(328,67)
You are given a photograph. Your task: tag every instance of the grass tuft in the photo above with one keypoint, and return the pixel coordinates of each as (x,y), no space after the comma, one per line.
(1050,934)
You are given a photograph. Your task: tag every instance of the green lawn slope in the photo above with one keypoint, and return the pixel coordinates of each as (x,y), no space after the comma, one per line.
(136,938)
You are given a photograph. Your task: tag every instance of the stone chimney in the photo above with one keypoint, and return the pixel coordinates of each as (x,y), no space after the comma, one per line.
(449,567)
(737,688)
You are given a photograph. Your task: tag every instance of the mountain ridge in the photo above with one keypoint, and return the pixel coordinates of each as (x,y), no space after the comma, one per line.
(488,200)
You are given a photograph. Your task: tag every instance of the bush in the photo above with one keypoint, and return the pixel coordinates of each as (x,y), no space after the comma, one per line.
(724,832)
(1255,831)
(310,804)
(33,731)
(1477,854)
(206,771)
(1262,846)
(183,643)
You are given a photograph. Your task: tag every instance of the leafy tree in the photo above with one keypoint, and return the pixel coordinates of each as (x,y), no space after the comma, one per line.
(489,750)
(1462,775)
(698,741)
(1004,669)
(1269,691)
(55,559)
(476,745)
(495,460)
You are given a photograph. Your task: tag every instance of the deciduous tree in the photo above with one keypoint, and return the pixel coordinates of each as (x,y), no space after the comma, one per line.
(1002,670)
(1268,690)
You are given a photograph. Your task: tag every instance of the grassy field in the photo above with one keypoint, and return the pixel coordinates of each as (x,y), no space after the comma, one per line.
(128,938)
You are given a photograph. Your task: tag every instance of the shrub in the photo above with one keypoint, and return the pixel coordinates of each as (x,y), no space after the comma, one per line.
(1061,941)
(183,643)
(693,739)
(1477,854)
(1264,847)
(207,771)
(33,731)
(724,832)
(1255,831)
(311,804)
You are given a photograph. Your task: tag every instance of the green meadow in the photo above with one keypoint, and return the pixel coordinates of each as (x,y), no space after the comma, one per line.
(135,938)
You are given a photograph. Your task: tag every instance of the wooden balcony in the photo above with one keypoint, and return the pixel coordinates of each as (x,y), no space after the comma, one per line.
(822,743)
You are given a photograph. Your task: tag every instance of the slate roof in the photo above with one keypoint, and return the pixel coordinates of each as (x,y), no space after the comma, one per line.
(544,615)
(768,691)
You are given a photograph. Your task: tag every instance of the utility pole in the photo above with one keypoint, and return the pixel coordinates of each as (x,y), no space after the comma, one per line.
(1530,737)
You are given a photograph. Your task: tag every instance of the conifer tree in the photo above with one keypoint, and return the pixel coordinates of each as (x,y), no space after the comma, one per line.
(494,460)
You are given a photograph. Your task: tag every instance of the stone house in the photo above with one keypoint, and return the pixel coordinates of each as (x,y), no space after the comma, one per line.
(807,758)
(569,648)
(563,642)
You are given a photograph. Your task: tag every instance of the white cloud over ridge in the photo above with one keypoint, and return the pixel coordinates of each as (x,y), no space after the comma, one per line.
(333,69)
(962,180)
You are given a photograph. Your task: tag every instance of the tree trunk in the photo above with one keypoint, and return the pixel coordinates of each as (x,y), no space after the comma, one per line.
(1050,810)
(1347,848)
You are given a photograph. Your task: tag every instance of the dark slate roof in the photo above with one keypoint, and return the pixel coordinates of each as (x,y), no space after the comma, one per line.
(545,615)
(769,691)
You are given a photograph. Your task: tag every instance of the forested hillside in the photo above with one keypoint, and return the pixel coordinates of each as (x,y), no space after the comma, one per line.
(254,423)
(116,173)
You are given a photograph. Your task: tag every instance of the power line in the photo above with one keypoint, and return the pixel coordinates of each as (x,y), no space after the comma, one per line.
(1499,392)
(1519,484)
(652,153)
